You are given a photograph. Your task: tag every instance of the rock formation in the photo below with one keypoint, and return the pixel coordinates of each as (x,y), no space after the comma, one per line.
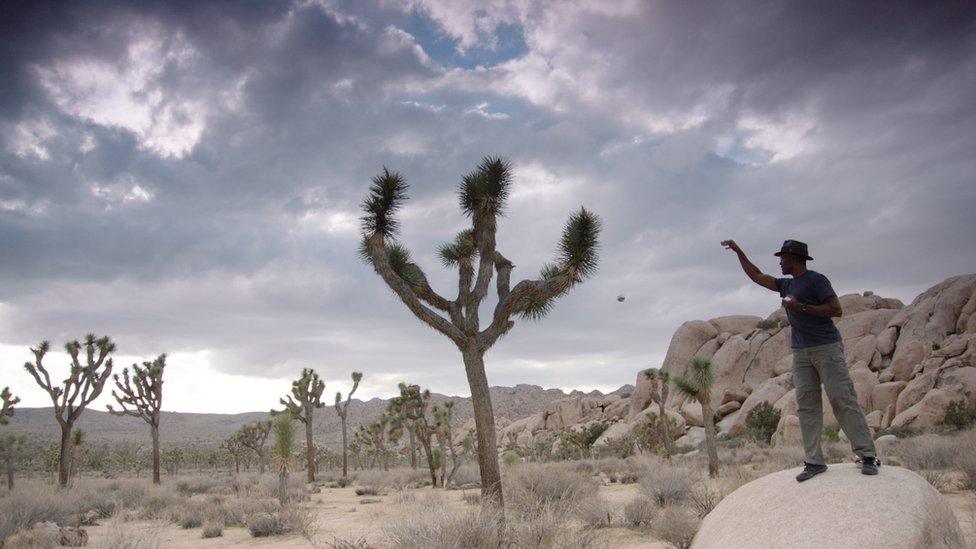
(907,363)
(840,508)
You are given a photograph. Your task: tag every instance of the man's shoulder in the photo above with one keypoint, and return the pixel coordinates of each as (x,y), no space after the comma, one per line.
(816,276)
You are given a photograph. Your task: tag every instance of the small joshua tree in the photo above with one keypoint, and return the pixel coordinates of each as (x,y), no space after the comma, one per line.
(305,397)
(7,402)
(473,252)
(660,382)
(253,436)
(396,409)
(342,409)
(141,395)
(281,451)
(698,385)
(443,417)
(83,385)
(10,447)
(415,404)
(235,449)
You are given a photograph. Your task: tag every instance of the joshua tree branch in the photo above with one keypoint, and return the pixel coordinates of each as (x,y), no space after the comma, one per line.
(381,263)
(519,299)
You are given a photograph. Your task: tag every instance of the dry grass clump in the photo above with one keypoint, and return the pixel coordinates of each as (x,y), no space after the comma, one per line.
(676,525)
(37,537)
(212,529)
(534,488)
(26,506)
(927,452)
(275,522)
(190,515)
(425,523)
(667,485)
(640,513)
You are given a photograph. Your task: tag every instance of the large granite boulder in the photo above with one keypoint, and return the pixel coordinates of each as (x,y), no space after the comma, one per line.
(839,509)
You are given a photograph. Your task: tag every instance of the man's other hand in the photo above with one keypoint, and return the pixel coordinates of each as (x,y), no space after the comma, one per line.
(731,245)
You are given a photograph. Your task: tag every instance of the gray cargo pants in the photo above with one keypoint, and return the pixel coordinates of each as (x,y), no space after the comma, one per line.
(825,364)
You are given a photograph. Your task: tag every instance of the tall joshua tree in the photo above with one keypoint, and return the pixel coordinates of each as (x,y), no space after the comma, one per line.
(698,385)
(660,382)
(253,436)
(141,395)
(281,451)
(342,409)
(473,252)
(83,385)
(7,403)
(305,397)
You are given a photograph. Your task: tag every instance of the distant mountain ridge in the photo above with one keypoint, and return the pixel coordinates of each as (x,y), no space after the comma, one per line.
(185,428)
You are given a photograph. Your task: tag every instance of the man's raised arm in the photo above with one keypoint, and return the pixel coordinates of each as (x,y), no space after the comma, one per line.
(753,272)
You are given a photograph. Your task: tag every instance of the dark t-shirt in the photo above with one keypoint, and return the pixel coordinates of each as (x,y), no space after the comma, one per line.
(807,330)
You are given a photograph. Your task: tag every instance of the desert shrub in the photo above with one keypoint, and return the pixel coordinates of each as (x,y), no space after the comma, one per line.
(427,524)
(25,506)
(927,452)
(38,537)
(212,529)
(667,485)
(940,480)
(959,416)
(471,499)
(194,486)
(677,526)
(339,543)
(511,458)
(595,512)
(761,422)
(189,516)
(640,512)
(262,524)
(532,488)
(617,447)
(704,498)
(966,463)
(831,433)
(649,436)
(236,511)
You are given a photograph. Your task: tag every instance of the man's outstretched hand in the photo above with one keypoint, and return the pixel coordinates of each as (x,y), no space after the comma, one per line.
(731,245)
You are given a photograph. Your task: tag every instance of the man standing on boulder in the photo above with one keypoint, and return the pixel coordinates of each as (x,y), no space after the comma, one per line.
(818,355)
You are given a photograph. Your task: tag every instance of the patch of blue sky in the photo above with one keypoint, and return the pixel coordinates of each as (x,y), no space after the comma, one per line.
(733,147)
(506,41)
(491,106)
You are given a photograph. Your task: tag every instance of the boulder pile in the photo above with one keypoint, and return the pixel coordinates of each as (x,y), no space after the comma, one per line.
(907,363)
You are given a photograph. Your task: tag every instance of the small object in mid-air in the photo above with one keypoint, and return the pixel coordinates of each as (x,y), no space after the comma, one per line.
(620,298)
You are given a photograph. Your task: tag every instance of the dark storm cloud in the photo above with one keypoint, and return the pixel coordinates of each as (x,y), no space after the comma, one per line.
(212,203)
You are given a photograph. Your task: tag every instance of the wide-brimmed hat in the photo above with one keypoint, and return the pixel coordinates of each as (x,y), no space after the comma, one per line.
(795,247)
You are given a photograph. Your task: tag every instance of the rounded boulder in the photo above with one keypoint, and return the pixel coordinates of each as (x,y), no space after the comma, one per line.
(839,508)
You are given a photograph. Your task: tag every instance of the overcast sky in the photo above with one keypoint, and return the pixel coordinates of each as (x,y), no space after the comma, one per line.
(186,176)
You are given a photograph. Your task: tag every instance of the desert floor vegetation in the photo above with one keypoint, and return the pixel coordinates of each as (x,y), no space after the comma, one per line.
(639,501)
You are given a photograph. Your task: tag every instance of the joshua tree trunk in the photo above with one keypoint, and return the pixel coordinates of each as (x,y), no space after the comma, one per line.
(10,448)
(309,452)
(413,448)
(345,452)
(708,418)
(484,423)
(155,453)
(665,423)
(283,486)
(64,458)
